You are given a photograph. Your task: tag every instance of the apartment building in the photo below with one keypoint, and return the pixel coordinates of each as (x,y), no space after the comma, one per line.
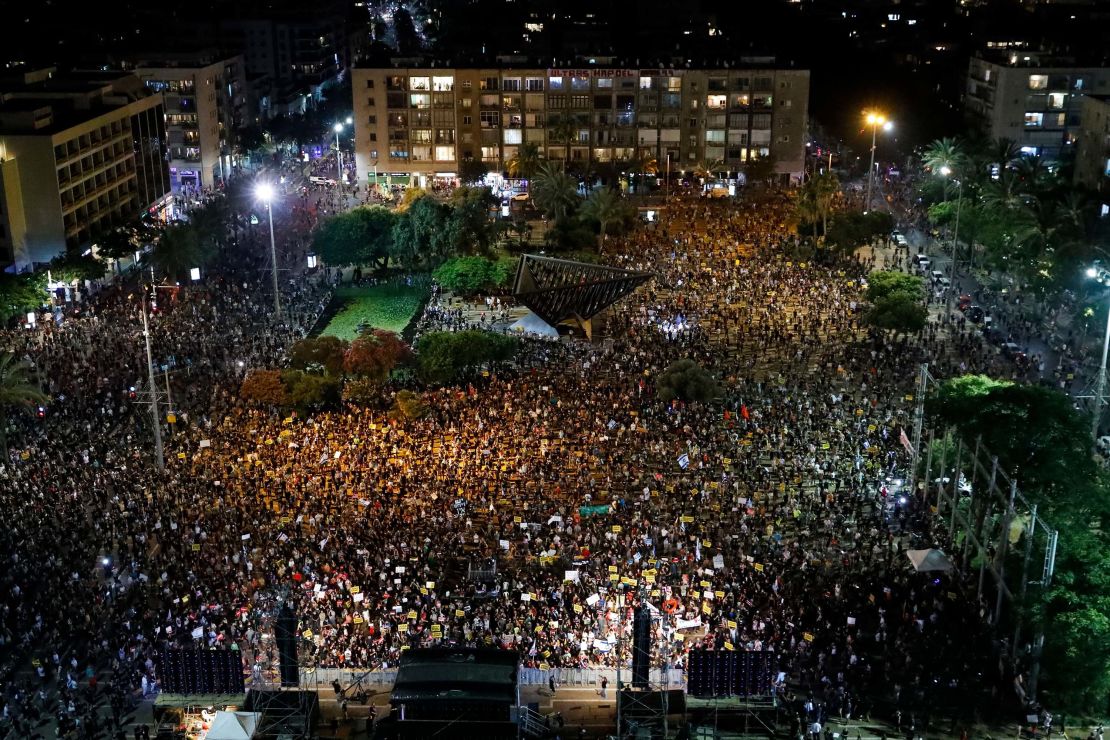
(1032,99)
(206,101)
(77,155)
(422,122)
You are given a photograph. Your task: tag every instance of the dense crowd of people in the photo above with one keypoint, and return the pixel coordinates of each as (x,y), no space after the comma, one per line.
(531,509)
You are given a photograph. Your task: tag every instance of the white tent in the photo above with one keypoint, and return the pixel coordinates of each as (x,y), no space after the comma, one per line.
(530,323)
(929,560)
(233,726)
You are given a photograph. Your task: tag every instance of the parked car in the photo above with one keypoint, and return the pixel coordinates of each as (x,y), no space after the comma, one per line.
(975,314)
(1014,351)
(936,275)
(899,238)
(944,283)
(965,302)
(921,258)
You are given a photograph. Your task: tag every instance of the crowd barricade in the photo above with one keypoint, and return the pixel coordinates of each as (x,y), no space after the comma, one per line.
(673,678)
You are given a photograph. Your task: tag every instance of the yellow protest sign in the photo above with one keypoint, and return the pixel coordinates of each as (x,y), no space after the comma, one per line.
(807,636)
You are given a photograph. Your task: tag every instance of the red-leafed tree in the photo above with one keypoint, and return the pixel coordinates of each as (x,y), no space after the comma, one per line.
(374,355)
(264,386)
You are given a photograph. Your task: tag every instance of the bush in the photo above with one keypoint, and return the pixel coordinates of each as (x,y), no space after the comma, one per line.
(308,391)
(409,406)
(362,392)
(686,380)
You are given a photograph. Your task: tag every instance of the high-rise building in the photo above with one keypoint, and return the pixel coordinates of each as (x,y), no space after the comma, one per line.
(1092,160)
(1031,99)
(78,154)
(422,122)
(205,99)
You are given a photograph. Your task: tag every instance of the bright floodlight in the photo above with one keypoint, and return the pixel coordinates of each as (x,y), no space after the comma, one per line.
(338,127)
(350,120)
(945,170)
(1092,272)
(265,192)
(888,126)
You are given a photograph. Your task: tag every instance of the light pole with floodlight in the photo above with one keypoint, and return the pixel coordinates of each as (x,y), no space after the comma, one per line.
(875,121)
(338,128)
(265,193)
(946,171)
(1101,276)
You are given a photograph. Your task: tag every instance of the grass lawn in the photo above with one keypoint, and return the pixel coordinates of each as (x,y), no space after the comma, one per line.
(389,307)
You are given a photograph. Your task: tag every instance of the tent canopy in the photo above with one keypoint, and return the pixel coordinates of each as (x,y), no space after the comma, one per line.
(531,323)
(233,726)
(929,560)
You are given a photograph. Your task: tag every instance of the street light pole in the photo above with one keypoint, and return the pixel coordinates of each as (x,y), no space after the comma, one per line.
(273,260)
(155,419)
(955,249)
(871,169)
(338,154)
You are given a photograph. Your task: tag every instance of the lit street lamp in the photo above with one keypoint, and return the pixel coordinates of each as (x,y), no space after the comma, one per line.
(1101,276)
(265,193)
(946,171)
(875,121)
(338,128)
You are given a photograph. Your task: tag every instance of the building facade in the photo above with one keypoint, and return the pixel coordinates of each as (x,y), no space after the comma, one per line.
(422,122)
(205,99)
(77,156)
(1092,160)
(1033,100)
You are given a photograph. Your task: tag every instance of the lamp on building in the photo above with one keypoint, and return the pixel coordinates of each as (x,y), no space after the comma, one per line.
(194,274)
(339,152)
(312,261)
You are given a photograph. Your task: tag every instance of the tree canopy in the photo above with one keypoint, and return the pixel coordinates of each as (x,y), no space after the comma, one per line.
(686,380)
(444,356)
(362,236)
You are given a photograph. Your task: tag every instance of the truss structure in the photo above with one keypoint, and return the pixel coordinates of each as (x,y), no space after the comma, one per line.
(572,293)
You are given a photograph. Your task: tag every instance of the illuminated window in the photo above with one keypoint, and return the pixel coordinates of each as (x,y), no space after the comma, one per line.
(419,83)
(443,84)
(1038,82)
(645,83)
(605,83)
(715,137)
(1056,100)
(512,136)
(555,83)
(1034,119)
(445,153)
(715,101)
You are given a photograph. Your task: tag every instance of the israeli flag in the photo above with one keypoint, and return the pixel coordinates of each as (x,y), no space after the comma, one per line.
(683,461)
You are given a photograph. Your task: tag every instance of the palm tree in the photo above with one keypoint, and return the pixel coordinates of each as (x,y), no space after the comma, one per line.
(554,191)
(708,170)
(564,131)
(17,390)
(946,152)
(808,204)
(1005,153)
(524,163)
(604,206)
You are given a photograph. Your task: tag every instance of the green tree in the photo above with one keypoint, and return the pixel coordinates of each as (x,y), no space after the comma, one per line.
(319,353)
(75,266)
(564,130)
(554,191)
(444,356)
(900,312)
(1035,432)
(760,170)
(362,236)
(18,391)
(883,283)
(20,293)
(607,208)
(947,152)
(686,380)
(472,229)
(471,171)
(178,250)
(423,234)
(524,162)
(307,391)
(471,275)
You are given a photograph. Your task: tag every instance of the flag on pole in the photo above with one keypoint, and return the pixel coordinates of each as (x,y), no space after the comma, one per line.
(683,461)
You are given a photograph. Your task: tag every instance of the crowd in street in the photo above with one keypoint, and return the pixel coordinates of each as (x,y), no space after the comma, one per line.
(769,520)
